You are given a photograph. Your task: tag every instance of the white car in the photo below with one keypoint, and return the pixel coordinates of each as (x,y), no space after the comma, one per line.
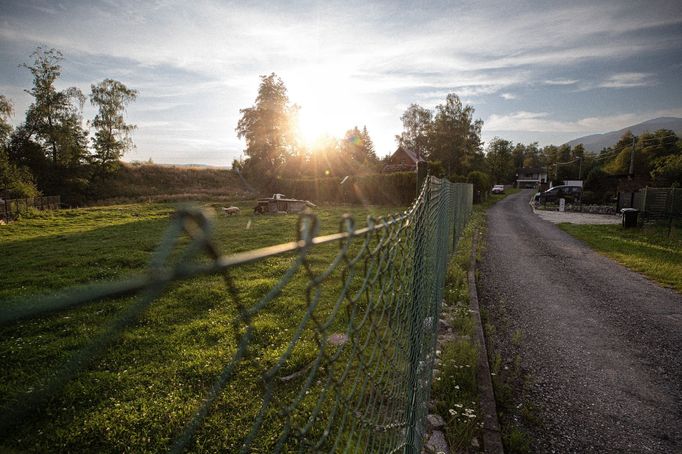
(498,189)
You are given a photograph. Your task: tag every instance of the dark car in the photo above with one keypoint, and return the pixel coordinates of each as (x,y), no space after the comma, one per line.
(570,193)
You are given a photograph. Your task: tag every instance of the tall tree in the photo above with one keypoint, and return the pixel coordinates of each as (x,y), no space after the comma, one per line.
(112,133)
(500,160)
(518,155)
(54,118)
(358,146)
(269,127)
(6,111)
(15,180)
(417,123)
(532,156)
(455,138)
(368,146)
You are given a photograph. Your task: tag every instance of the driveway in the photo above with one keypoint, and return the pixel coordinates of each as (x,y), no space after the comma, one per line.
(600,346)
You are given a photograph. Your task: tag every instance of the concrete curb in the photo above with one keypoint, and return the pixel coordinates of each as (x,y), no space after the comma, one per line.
(492,440)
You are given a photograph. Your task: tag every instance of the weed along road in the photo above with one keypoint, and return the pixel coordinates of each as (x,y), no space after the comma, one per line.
(588,355)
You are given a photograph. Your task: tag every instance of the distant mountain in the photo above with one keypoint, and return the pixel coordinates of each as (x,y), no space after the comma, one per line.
(596,142)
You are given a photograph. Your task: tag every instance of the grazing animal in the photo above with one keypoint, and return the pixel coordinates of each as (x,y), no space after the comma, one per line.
(231,210)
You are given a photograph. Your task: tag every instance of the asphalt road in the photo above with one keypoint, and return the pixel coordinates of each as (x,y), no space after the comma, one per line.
(601,345)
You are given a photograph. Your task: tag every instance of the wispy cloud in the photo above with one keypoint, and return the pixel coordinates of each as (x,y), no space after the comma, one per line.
(509,96)
(543,122)
(560,82)
(629,80)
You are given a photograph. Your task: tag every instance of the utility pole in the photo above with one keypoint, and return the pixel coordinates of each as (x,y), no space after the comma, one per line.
(631,173)
(580,168)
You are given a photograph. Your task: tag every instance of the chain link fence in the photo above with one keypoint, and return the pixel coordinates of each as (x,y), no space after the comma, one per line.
(336,356)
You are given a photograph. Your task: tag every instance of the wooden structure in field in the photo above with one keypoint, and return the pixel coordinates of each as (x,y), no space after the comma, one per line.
(279,204)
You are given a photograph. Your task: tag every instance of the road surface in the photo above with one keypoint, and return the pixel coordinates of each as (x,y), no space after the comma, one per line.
(601,345)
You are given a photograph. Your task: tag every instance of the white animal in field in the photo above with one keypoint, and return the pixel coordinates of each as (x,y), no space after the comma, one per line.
(231,210)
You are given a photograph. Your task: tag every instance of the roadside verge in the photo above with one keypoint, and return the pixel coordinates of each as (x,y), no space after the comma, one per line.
(492,440)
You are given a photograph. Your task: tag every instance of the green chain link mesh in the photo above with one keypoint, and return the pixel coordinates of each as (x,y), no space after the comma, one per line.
(371,315)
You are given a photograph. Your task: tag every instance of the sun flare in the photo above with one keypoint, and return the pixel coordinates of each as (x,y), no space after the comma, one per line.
(328,107)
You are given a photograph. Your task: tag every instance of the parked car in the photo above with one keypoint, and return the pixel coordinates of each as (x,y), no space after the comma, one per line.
(570,193)
(498,189)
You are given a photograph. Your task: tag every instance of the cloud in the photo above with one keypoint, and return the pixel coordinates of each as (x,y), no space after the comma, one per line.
(560,81)
(509,96)
(542,122)
(629,80)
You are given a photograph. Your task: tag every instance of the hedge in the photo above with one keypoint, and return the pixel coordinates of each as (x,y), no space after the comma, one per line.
(378,189)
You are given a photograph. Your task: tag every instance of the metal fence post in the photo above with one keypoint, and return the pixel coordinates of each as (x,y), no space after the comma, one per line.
(412,441)
(422,170)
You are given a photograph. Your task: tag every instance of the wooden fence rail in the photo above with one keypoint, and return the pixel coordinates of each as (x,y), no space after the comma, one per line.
(11,207)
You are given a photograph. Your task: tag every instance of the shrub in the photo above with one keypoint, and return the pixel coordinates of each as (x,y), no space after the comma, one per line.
(482,184)
(376,189)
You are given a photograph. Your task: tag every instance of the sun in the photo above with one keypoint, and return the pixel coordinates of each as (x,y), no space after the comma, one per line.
(329,106)
(315,122)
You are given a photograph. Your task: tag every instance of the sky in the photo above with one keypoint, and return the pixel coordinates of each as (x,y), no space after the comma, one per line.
(533,70)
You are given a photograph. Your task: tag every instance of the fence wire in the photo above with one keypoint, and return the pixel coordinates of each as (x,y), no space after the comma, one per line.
(351,373)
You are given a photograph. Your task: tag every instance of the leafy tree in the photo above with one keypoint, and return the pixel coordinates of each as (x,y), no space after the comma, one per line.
(500,160)
(667,172)
(15,181)
(6,111)
(112,133)
(481,182)
(455,137)
(417,124)
(532,156)
(518,155)
(598,186)
(358,146)
(269,127)
(54,120)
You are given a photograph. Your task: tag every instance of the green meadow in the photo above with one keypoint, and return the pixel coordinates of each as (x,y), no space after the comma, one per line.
(652,250)
(139,392)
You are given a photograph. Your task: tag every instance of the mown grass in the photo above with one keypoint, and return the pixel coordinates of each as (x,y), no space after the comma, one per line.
(139,393)
(648,250)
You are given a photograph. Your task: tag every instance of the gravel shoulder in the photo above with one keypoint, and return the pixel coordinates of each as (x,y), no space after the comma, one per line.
(556,217)
(602,346)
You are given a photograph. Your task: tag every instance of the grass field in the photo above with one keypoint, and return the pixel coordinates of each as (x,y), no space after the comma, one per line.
(139,393)
(648,250)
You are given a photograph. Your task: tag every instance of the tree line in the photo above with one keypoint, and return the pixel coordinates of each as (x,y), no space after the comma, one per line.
(656,161)
(449,138)
(54,151)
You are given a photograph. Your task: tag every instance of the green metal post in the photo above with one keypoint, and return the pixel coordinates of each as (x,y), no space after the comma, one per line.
(412,442)
(422,170)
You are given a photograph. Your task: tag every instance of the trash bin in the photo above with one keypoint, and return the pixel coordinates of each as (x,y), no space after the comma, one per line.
(629,217)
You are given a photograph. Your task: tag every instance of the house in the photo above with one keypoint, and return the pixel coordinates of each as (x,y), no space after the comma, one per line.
(530,177)
(402,160)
